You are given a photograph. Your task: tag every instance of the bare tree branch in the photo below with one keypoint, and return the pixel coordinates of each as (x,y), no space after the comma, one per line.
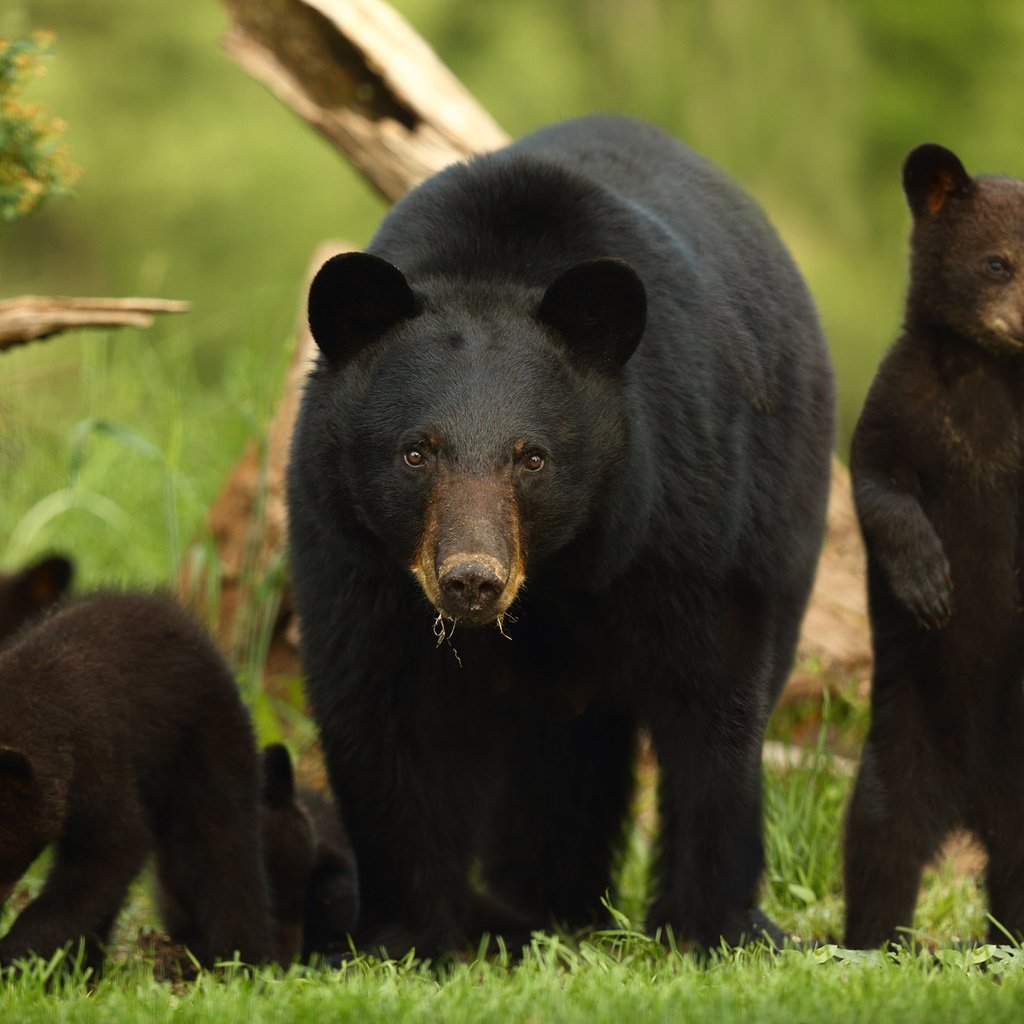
(32,317)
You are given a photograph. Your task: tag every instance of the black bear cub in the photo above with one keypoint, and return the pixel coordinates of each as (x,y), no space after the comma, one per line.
(26,593)
(575,404)
(332,892)
(937,475)
(123,733)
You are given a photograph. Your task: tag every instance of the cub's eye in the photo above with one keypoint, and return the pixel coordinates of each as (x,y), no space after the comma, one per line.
(415,457)
(534,462)
(997,266)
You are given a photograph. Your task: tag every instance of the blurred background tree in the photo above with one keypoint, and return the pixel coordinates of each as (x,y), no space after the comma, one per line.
(198,184)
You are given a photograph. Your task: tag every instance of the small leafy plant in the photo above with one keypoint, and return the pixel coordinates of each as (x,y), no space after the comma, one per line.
(34,160)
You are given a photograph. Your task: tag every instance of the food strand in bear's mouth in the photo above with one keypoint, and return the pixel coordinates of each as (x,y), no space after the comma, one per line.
(442,635)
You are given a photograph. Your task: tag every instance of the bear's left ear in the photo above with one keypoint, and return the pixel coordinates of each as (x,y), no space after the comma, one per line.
(931,175)
(600,309)
(354,298)
(16,774)
(44,582)
(278,776)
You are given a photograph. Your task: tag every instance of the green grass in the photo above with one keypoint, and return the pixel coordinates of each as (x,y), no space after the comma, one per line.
(614,975)
(621,977)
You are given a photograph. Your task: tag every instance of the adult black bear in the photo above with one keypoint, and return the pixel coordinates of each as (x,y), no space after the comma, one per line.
(937,474)
(122,733)
(577,389)
(26,593)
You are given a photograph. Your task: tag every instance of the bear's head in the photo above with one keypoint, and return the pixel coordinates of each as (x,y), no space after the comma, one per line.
(477,423)
(967,251)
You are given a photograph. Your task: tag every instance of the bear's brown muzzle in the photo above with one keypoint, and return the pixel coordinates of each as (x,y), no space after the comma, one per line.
(469,561)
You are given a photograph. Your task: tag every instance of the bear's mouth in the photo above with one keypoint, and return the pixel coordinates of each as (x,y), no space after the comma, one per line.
(472,589)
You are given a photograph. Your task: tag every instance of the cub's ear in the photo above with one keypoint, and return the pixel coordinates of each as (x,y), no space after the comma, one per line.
(931,175)
(599,308)
(353,300)
(44,582)
(278,776)
(16,774)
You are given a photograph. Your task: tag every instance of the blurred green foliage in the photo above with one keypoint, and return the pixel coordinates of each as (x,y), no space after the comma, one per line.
(198,184)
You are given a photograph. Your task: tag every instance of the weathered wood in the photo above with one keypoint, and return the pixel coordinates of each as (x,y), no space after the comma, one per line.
(357,72)
(361,76)
(33,317)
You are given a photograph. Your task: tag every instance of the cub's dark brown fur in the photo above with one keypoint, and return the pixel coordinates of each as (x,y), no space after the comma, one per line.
(289,851)
(332,896)
(937,473)
(25,594)
(122,733)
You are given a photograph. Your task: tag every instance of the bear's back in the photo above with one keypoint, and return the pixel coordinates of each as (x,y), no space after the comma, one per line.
(116,680)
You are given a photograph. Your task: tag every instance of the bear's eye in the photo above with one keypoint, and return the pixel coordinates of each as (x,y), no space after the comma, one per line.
(533,462)
(415,457)
(997,266)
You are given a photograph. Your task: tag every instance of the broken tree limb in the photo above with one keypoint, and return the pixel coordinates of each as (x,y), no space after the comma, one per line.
(360,75)
(33,317)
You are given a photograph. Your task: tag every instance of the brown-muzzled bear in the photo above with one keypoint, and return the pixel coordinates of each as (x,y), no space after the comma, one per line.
(937,476)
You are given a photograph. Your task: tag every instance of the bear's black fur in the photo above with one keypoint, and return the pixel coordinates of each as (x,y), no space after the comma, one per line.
(937,474)
(480,435)
(26,593)
(122,733)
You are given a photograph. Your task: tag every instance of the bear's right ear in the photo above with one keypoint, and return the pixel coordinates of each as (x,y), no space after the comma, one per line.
(278,776)
(16,774)
(931,174)
(354,298)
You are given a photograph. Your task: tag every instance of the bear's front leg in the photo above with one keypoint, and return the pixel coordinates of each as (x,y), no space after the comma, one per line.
(901,540)
(711,851)
(408,788)
(103,848)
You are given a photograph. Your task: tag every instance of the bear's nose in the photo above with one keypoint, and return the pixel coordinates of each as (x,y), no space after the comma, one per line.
(471,586)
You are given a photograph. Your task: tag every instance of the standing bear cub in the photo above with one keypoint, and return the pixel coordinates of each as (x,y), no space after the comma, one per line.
(937,476)
(575,396)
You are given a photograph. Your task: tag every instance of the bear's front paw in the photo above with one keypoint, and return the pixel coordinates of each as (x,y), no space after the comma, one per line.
(925,587)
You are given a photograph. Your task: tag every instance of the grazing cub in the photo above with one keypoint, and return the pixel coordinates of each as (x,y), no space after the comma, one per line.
(289,848)
(25,594)
(123,733)
(332,898)
(937,475)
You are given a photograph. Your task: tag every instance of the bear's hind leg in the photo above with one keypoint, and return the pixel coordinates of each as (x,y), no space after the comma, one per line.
(891,833)
(997,818)
(214,896)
